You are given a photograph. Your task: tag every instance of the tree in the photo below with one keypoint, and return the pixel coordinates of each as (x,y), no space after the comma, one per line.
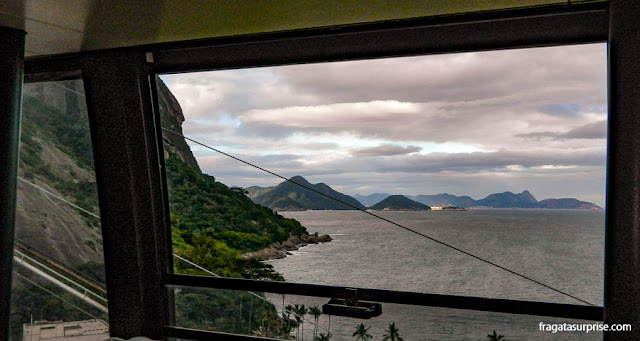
(495,337)
(293,310)
(299,310)
(302,310)
(322,337)
(316,312)
(285,328)
(240,190)
(361,333)
(393,333)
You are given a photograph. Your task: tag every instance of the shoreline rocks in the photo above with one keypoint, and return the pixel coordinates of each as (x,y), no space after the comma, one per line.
(281,250)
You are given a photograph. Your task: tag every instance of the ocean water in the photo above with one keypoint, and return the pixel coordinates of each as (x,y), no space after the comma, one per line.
(561,248)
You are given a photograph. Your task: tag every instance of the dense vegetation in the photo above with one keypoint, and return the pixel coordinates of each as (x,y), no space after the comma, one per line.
(213,224)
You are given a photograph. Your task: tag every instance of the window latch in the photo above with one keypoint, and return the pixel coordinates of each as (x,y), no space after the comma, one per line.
(351,306)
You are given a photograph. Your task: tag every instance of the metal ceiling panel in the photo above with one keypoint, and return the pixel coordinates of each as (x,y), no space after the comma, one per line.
(63,26)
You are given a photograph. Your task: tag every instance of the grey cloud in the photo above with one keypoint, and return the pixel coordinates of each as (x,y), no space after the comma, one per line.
(481,100)
(467,162)
(545,73)
(593,130)
(284,164)
(555,75)
(385,150)
(473,98)
(568,109)
(204,128)
(531,162)
(269,131)
(466,174)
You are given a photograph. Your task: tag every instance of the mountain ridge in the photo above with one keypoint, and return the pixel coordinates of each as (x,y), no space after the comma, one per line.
(289,196)
(495,200)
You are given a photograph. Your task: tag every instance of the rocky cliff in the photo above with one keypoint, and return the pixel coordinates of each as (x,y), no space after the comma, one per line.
(281,249)
(55,154)
(172,118)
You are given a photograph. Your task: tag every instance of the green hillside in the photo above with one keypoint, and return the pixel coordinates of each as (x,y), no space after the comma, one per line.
(399,203)
(56,155)
(288,196)
(211,224)
(208,217)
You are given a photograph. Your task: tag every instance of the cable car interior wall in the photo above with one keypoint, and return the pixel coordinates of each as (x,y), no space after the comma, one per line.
(118,48)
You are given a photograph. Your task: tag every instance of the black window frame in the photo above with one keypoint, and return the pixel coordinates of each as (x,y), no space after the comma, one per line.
(127,139)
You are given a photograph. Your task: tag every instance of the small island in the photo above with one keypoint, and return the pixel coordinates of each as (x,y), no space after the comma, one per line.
(399,203)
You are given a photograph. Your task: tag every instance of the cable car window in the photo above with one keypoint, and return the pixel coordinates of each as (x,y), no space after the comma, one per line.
(476,174)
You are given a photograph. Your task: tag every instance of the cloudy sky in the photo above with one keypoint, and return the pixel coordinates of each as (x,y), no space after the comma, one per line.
(466,124)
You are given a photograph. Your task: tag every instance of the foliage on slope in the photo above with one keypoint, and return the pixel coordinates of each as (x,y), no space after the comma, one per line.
(213,224)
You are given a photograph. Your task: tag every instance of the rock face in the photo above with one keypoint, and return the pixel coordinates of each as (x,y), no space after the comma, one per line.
(55,155)
(280,250)
(172,118)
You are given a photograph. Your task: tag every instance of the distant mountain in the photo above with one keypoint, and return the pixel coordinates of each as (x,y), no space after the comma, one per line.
(255,191)
(371,199)
(527,197)
(508,200)
(496,200)
(399,202)
(444,199)
(570,203)
(288,196)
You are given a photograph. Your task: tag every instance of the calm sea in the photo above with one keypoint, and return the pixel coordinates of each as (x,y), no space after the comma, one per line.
(561,248)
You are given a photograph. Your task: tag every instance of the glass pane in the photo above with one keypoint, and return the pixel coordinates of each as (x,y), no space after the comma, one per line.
(508,148)
(263,315)
(59,281)
(446,167)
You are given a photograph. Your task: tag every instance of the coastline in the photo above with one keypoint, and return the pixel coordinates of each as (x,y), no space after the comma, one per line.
(280,250)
